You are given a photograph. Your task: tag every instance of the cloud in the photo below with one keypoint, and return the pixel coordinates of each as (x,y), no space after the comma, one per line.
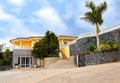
(13,28)
(4,16)
(17,5)
(60,1)
(68,11)
(17,2)
(110,15)
(50,19)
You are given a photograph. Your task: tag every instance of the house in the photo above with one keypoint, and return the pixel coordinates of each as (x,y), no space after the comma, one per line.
(22,47)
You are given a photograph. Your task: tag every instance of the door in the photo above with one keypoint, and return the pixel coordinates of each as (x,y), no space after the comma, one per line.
(25,61)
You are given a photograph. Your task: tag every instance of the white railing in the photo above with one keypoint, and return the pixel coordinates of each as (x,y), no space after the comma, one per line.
(63,45)
(114,27)
(15,47)
(5,48)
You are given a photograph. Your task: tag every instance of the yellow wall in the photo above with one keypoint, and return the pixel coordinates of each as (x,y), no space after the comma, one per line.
(26,43)
(65,52)
(17,43)
(62,40)
(34,41)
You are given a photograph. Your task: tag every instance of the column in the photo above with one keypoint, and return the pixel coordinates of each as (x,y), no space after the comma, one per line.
(62,41)
(20,44)
(20,62)
(25,62)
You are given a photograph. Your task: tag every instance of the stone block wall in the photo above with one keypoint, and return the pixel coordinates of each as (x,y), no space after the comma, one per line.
(50,60)
(80,45)
(100,58)
(84,60)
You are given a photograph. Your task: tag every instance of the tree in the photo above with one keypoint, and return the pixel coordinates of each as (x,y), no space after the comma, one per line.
(46,47)
(1,46)
(7,56)
(51,44)
(94,16)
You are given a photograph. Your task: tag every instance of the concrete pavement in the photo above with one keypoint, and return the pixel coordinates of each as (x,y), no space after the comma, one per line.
(106,73)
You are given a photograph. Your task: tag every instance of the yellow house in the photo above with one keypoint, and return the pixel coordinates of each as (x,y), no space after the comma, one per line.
(64,45)
(23,46)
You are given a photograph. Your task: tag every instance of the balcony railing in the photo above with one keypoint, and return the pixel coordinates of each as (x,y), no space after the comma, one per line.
(63,45)
(15,47)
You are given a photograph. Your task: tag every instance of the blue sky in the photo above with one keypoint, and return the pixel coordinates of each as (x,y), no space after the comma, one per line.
(21,18)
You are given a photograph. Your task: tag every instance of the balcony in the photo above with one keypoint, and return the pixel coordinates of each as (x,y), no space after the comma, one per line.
(63,45)
(11,48)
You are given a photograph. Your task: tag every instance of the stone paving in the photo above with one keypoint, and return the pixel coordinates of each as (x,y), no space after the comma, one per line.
(107,73)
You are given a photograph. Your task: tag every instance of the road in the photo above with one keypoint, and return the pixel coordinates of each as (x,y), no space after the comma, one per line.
(106,73)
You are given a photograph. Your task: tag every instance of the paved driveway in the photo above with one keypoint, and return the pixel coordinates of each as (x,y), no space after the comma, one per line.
(107,73)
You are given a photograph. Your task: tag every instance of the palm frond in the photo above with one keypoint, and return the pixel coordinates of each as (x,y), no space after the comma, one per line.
(102,7)
(87,19)
(95,15)
(90,5)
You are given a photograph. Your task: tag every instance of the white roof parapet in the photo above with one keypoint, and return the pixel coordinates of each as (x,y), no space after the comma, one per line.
(72,42)
(9,47)
(86,35)
(111,28)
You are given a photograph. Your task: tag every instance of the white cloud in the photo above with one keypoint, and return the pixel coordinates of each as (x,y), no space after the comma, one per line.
(3,15)
(60,1)
(19,29)
(68,11)
(17,2)
(51,20)
(109,15)
(14,27)
(17,5)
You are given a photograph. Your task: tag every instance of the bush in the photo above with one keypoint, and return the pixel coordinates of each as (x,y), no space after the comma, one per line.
(2,62)
(115,46)
(90,47)
(107,46)
(104,48)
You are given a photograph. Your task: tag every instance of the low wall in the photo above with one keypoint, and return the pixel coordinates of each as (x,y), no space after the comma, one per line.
(100,58)
(50,60)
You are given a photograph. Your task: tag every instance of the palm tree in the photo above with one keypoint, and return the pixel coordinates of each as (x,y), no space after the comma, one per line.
(94,16)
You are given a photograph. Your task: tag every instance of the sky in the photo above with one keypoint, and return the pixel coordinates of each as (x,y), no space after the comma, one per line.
(24,18)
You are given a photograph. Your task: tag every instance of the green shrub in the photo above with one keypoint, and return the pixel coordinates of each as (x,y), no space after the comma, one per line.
(103,48)
(115,46)
(90,47)
(2,62)
(102,42)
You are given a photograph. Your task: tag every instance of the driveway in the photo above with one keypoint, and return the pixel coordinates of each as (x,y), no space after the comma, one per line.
(107,73)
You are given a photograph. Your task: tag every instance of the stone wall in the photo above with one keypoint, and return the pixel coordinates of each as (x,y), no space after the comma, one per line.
(101,58)
(80,45)
(50,60)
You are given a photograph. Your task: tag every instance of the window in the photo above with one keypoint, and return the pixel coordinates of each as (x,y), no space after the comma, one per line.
(65,42)
(18,60)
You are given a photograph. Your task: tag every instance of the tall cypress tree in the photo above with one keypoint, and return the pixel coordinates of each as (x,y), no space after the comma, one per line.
(46,47)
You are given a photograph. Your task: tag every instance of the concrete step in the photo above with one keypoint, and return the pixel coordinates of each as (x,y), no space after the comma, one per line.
(63,64)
